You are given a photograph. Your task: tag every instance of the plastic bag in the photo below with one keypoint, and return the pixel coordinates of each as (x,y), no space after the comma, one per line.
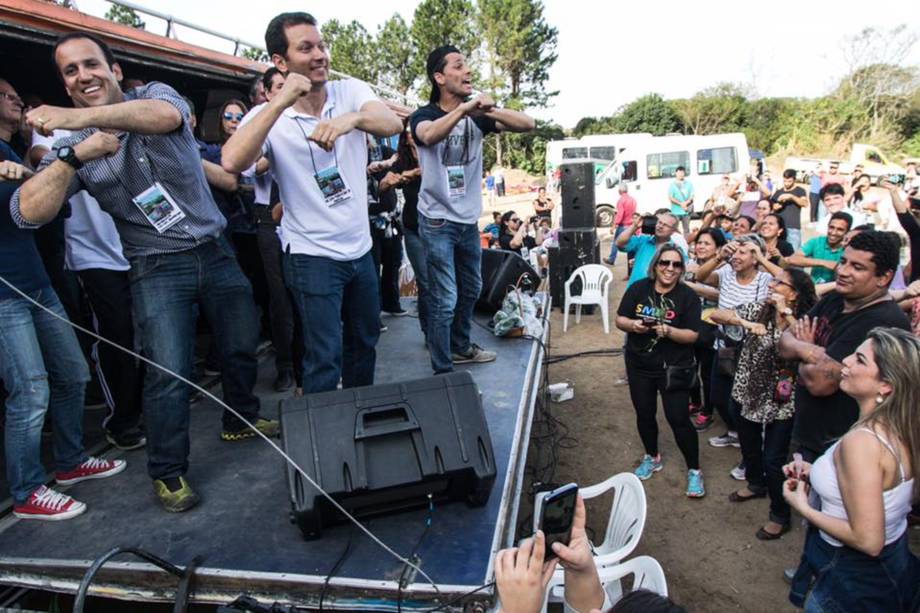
(518,316)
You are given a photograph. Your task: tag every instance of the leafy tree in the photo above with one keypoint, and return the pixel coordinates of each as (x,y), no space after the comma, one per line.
(125,16)
(351,49)
(443,22)
(650,113)
(720,108)
(395,54)
(526,151)
(256,55)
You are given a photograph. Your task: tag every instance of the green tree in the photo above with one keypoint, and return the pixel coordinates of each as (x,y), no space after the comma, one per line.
(526,151)
(442,22)
(650,113)
(351,49)
(720,108)
(125,16)
(395,55)
(256,55)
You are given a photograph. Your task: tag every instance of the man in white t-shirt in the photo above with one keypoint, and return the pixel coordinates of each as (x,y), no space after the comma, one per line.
(92,249)
(313,133)
(448,133)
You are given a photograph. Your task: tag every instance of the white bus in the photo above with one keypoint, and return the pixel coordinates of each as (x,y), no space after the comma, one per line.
(601,148)
(648,168)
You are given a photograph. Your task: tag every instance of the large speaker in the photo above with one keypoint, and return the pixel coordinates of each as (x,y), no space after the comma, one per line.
(500,271)
(583,242)
(578,195)
(385,448)
(576,248)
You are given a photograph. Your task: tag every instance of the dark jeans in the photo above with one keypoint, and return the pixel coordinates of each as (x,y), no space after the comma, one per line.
(415,251)
(246,247)
(165,289)
(704,357)
(644,388)
(288,347)
(844,579)
(340,311)
(43,369)
(765,451)
(387,260)
(455,280)
(720,392)
(814,201)
(109,293)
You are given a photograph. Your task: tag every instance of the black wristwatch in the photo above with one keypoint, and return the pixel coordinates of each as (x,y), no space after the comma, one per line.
(69,156)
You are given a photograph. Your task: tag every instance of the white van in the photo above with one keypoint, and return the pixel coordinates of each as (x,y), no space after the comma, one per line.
(648,168)
(600,148)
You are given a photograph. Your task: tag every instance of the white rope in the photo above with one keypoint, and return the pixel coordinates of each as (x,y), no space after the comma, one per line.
(274,446)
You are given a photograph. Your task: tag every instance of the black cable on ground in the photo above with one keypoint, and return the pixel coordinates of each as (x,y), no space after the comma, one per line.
(336,568)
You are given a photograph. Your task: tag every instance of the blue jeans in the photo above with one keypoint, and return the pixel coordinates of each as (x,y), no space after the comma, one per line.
(43,368)
(415,251)
(165,289)
(613,245)
(794,238)
(339,306)
(455,280)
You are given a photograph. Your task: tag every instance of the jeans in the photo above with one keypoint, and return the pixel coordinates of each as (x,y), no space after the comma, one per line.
(684,221)
(415,251)
(455,280)
(165,289)
(764,451)
(701,393)
(794,238)
(109,294)
(720,392)
(387,254)
(613,245)
(845,579)
(42,368)
(644,387)
(814,202)
(340,310)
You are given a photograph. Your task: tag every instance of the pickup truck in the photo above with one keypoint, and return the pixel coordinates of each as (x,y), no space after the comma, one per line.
(873,161)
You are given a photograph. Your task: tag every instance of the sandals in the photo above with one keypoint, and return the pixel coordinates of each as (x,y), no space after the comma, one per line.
(736,497)
(763,535)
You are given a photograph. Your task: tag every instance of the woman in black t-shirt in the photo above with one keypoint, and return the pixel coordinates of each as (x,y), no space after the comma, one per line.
(772,230)
(661,318)
(513,233)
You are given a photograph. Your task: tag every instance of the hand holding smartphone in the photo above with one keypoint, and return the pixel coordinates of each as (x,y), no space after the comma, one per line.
(557,515)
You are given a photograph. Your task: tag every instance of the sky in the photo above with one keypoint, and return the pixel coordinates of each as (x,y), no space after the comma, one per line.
(611,52)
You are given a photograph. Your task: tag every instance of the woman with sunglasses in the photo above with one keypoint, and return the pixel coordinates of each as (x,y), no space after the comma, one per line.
(514,233)
(763,390)
(856,555)
(661,318)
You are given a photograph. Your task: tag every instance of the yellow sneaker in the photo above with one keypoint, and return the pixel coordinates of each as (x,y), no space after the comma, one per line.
(269,427)
(177,501)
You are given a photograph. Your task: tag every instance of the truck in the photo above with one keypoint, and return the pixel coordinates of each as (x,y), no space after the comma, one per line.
(874,163)
(648,168)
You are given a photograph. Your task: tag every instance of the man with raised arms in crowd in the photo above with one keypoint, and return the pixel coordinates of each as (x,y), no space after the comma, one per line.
(314,134)
(135,154)
(449,133)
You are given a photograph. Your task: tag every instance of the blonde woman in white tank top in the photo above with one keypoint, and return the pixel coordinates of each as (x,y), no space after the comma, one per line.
(856,556)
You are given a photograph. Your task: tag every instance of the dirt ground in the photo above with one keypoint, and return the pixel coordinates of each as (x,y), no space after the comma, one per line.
(707,547)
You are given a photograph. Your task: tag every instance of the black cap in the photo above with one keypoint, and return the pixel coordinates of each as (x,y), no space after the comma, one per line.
(435,63)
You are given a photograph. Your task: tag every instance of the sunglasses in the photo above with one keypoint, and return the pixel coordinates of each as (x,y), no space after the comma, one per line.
(670,264)
(232,116)
(515,220)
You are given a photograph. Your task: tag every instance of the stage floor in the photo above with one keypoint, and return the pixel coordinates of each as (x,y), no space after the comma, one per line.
(242,526)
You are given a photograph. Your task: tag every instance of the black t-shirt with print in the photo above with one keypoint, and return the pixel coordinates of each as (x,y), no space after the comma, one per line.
(410,195)
(820,420)
(791,213)
(679,308)
(504,242)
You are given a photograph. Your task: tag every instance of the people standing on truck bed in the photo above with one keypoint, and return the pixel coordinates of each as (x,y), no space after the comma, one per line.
(136,155)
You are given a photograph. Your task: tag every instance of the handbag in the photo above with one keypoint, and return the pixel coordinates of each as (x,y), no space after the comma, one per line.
(681,377)
(727,358)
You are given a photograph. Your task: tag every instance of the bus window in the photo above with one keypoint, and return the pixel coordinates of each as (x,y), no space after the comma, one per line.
(603,153)
(719,161)
(573,153)
(664,165)
(873,156)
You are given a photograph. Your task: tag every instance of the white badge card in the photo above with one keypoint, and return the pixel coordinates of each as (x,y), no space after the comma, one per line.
(456,181)
(332,184)
(158,207)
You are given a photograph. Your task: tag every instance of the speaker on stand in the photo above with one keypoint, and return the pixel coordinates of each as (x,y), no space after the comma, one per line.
(578,244)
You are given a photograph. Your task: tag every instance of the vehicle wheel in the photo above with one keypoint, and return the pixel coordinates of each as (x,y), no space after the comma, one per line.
(603,216)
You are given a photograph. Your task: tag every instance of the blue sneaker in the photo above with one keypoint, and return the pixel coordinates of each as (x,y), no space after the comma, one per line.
(695,487)
(648,466)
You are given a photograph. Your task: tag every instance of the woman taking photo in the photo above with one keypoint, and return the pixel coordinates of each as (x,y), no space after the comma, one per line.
(856,550)
(514,233)
(661,318)
(763,389)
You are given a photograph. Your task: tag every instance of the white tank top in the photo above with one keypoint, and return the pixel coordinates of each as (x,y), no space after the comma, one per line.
(896,501)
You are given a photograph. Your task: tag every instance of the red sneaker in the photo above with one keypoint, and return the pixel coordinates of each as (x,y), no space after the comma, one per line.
(701,421)
(48,505)
(92,468)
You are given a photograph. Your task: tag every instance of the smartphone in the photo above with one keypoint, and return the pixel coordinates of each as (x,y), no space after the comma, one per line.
(557,516)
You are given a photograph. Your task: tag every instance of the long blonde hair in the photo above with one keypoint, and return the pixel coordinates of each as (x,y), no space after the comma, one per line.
(897,356)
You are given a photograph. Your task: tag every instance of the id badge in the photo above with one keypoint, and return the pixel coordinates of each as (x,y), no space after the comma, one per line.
(456,181)
(332,184)
(158,207)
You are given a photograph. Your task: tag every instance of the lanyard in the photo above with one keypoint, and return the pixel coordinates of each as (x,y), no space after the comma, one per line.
(467,137)
(310,148)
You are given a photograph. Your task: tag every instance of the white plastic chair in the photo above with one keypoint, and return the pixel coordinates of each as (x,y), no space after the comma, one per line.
(595,285)
(624,524)
(647,575)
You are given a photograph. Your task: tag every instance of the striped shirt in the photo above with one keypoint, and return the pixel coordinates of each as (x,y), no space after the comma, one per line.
(732,294)
(171,159)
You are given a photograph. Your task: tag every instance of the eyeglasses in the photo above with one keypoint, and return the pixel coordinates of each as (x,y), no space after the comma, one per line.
(11,97)
(677,264)
(515,219)
(776,281)
(232,116)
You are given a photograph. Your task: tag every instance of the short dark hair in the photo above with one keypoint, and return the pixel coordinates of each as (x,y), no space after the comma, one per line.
(751,221)
(106,51)
(789,174)
(645,601)
(779,221)
(885,248)
(267,77)
(436,62)
(254,86)
(843,216)
(834,189)
(680,169)
(276,41)
(715,234)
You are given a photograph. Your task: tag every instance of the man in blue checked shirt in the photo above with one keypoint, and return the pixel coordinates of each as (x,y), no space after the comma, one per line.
(134,153)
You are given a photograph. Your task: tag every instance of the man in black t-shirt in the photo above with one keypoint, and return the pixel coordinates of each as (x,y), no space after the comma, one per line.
(788,201)
(832,330)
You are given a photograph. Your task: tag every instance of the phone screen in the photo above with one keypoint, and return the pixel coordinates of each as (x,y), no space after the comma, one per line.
(557,516)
